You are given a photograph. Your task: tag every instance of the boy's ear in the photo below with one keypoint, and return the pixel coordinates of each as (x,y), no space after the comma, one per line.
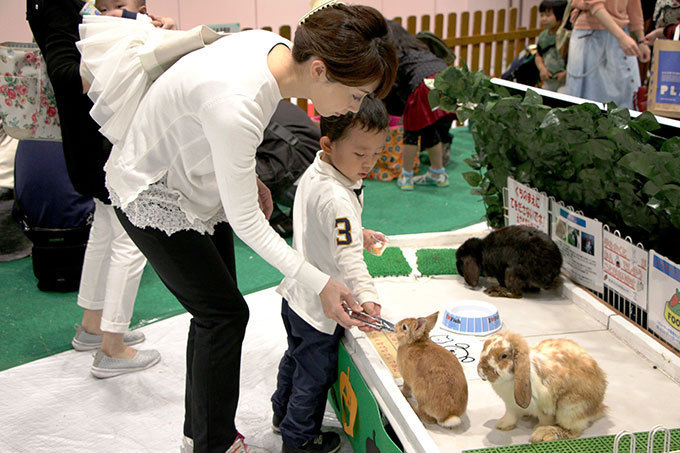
(326,144)
(142,9)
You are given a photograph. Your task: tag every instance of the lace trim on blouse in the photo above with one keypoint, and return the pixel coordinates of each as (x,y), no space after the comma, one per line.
(158,207)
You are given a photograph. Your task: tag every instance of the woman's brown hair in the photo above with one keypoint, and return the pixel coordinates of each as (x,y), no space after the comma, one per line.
(352,42)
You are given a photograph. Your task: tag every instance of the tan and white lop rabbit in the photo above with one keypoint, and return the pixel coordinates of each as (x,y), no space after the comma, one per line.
(432,374)
(556,381)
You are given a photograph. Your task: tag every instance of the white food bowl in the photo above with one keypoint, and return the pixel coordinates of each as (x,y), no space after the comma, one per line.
(472,317)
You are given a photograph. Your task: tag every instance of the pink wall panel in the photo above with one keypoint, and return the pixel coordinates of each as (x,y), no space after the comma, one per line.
(276,13)
(405,8)
(13,25)
(166,8)
(259,13)
(193,12)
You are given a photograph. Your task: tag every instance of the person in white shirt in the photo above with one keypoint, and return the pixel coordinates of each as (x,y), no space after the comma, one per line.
(327,231)
(183,176)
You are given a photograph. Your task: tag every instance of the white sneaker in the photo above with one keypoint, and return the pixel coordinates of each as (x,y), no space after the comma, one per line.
(105,367)
(83,341)
(432,179)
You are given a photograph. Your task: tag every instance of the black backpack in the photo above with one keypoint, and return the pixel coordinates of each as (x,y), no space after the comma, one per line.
(288,147)
(437,46)
(523,69)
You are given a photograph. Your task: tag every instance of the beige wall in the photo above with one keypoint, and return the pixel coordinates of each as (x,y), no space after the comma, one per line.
(260,13)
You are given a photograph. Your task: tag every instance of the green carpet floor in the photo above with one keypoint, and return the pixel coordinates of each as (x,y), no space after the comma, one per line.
(37,324)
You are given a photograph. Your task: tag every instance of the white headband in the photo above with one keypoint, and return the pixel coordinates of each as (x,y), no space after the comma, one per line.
(321,6)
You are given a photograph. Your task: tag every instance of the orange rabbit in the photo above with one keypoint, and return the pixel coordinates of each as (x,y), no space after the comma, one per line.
(431,373)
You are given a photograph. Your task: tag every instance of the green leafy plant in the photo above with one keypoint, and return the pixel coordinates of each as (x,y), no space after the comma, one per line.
(604,163)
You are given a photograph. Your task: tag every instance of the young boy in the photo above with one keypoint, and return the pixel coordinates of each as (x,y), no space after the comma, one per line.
(551,66)
(327,230)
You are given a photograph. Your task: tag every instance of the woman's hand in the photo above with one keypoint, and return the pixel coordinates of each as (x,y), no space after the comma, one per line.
(372,309)
(372,237)
(334,297)
(264,197)
(629,46)
(653,36)
(645,52)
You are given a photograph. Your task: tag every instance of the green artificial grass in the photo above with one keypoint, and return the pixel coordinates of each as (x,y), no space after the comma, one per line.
(437,261)
(392,263)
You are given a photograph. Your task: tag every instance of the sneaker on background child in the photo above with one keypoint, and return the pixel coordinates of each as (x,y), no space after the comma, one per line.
(327,208)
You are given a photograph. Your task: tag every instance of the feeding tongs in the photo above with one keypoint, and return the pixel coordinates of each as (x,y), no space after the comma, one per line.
(373,321)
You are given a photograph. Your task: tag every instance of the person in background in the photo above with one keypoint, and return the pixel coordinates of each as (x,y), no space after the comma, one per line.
(408,98)
(606,43)
(551,66)
(113,266)
(666,17)
(179,186)
(327,231)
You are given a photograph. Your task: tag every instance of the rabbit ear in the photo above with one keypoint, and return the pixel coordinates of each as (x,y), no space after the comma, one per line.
(431,321)
(522,370)
(471,270)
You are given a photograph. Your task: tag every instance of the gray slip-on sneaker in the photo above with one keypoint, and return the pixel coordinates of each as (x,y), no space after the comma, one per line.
(106,367)
(83,341)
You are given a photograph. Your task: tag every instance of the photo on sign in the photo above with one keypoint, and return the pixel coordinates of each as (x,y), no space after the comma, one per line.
(573,237)
(587,243)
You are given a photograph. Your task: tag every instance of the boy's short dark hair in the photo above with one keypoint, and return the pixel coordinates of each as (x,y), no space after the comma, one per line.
(372,116)
(556,6)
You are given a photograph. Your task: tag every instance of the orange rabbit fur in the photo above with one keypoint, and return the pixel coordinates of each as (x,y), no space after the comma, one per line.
(432,374)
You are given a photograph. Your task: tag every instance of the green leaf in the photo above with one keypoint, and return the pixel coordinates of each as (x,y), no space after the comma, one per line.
(647,120)
(433,98)
(532,98)
(650,188)
(473,178)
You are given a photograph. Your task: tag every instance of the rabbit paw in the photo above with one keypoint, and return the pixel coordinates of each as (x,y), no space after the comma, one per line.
(546,433)
(506,423)
(501,291)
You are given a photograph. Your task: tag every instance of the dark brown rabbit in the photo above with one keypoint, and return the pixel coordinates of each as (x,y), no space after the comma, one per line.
(520,257)
(432,374)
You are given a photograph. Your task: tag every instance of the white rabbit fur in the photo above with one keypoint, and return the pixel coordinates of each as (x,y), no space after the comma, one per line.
(556,381)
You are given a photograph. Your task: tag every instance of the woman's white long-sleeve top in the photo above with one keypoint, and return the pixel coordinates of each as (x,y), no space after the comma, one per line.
(188,159)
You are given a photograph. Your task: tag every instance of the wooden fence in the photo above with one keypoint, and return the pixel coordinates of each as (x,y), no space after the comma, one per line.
(486,40)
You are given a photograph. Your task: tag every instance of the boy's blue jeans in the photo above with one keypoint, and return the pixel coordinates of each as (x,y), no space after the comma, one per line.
(307,371)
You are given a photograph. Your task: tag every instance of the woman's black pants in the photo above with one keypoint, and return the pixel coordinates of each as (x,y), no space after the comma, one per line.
(200,270)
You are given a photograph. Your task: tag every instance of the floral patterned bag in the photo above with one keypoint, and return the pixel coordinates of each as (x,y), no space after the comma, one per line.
(27,104)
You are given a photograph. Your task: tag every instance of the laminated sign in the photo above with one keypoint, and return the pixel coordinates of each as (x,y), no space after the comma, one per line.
(664,298)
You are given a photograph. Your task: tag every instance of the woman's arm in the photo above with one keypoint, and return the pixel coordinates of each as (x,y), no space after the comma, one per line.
(628,44)
(232,125)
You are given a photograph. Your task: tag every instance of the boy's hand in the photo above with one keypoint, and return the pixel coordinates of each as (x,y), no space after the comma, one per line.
(166,23)
(264,197)
(372,309)
(561,76)
(372,237)
(545,74)
(334,297)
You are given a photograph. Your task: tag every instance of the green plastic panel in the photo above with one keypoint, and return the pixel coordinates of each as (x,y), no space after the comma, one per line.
(599,444)
(357,410)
